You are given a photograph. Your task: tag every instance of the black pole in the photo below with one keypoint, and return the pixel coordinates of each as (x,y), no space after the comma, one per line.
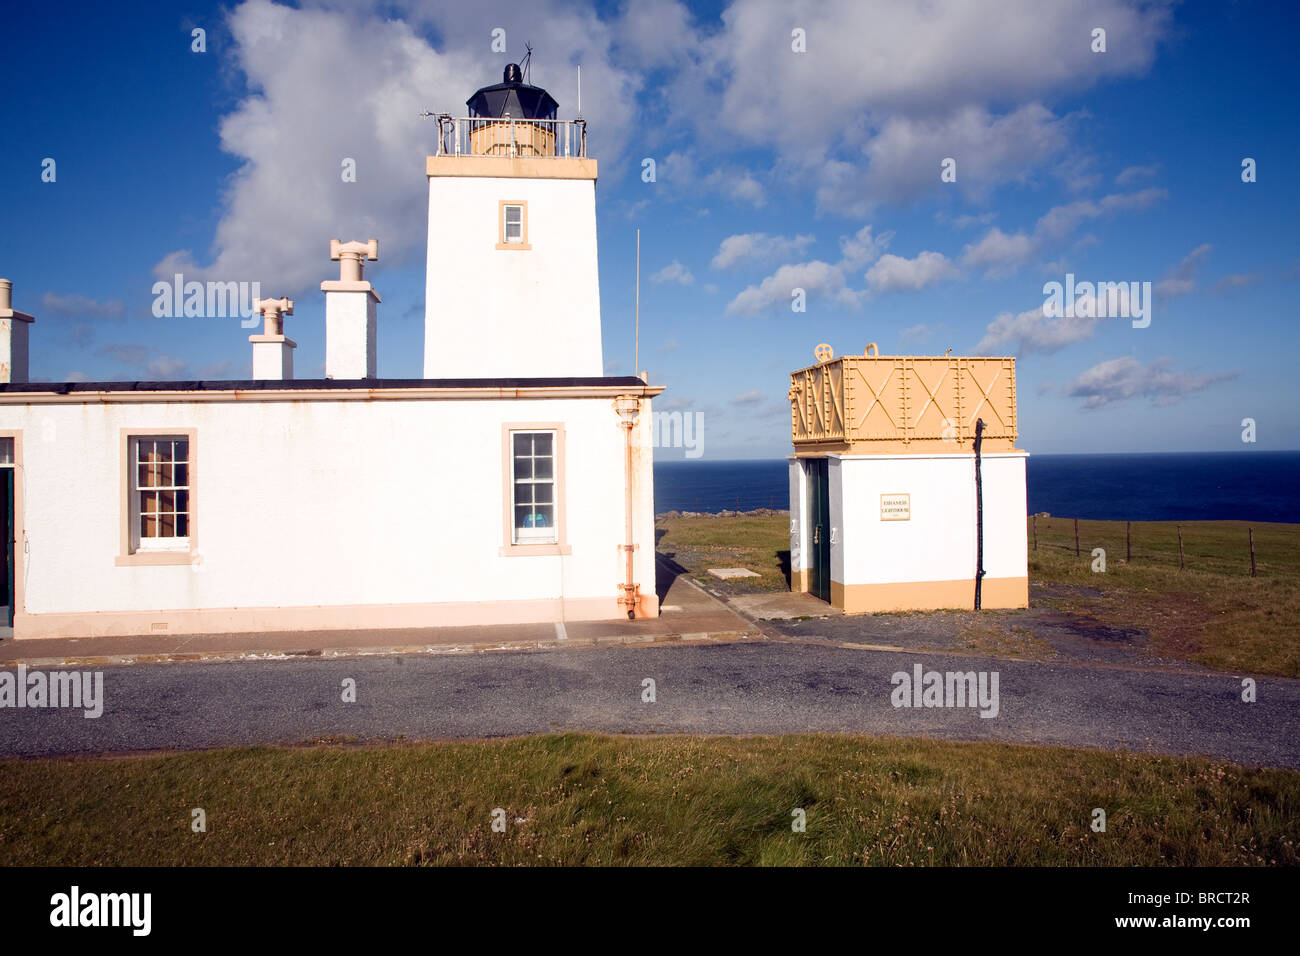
(979,513)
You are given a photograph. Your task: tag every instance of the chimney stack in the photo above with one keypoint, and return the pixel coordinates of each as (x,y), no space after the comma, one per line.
(272,352)
(350,301)
(14,330)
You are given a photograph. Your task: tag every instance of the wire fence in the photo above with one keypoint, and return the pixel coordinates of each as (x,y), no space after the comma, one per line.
(1219,547)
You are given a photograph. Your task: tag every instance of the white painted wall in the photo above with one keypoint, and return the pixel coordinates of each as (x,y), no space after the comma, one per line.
(939,542)
(836,521)
(501,313)
(800,557)
(351,351)
(272,360)
(326,503)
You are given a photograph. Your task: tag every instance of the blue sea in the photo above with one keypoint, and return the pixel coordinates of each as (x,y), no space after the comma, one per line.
(1211,486)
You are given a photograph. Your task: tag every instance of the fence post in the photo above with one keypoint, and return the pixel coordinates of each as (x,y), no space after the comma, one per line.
(1182,564)
(1076,537)
(1252,552)
(1128,542)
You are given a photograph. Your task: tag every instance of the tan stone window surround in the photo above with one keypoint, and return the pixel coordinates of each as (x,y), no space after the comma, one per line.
(503,242)
(130,553)
(509,547)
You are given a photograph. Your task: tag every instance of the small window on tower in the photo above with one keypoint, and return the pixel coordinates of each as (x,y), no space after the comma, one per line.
(513,227)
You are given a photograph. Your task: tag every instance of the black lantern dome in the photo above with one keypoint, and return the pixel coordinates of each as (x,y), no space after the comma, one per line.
(513,96)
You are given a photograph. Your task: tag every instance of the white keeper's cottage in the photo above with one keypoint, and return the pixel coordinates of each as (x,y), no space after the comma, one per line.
(512,483)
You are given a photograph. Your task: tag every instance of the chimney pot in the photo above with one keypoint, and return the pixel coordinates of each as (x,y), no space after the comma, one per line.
(272,351)
(350,301)
(14,331)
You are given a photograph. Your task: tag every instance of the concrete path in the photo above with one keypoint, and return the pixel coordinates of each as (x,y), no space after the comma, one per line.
(688,613)
(736,688)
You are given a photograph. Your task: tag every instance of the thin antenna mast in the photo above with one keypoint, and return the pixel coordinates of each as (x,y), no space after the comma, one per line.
(579,92)
(636,339)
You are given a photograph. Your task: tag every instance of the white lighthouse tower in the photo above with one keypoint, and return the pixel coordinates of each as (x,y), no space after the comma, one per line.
(512,287)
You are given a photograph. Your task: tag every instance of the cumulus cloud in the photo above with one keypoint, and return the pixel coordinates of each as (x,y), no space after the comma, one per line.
(80,307)
(144,363)
(329,83)
(1124,378)
(915,333)
(817,279)
(1032,331)
(680,173)
(674,272)
(1181,280)
(902,159)
(1229,283)
(894,273)
(753,247)
(888,89)
(1001,254)
(1130,174)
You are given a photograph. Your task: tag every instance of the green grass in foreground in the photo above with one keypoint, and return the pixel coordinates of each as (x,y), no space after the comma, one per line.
(1213,612)
(588,799)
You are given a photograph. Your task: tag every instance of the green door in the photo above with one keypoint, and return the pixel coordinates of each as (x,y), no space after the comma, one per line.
(819,519)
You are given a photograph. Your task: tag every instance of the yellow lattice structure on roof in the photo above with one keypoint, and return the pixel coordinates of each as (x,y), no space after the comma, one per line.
(902,404)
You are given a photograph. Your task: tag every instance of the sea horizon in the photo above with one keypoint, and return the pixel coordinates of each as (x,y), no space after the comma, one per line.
(1116,486)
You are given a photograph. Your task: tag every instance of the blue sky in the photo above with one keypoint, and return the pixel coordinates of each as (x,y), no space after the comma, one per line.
(774,170)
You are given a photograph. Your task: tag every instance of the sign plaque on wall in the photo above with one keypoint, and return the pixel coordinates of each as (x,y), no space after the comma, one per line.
(895,507)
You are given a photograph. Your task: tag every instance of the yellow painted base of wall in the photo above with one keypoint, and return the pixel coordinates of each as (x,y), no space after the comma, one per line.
(799,580)
(930,595)
(242,620)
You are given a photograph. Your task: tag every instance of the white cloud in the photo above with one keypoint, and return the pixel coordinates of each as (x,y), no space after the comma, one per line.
(1181,280)
(903,158)
(999,253)
(862,247)
(1059,221)
(165,367)
(751,397)
(1238,280)
(896,86)
(674,272)
(892,273)
(1032,331)
(967,220)
(325,84)
(817,279)
(80,307)
(753,247)
(680,173)
(1120,379)
(1131,174)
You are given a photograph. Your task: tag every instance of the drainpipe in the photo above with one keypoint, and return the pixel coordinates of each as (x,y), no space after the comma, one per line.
(979,513)
(628,408)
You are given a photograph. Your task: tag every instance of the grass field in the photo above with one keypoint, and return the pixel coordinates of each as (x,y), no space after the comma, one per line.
(1212,612)
(589,799)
